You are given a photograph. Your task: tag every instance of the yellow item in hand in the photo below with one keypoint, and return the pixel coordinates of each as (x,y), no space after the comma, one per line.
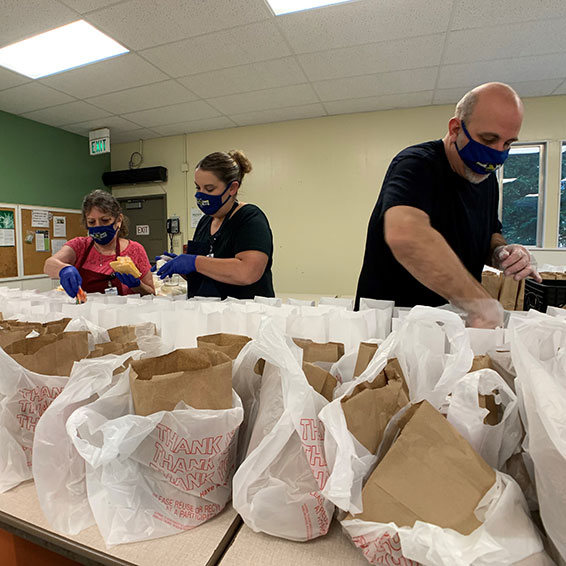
(124,264)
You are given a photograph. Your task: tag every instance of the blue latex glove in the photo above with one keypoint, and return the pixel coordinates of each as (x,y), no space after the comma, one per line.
(71,280)
(183,264)
(128,280)
(166,256)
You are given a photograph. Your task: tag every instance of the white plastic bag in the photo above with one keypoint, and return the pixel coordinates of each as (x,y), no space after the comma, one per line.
(494,443)
(158,475)
(277,486)
(538,348)
(24,397)
(506,536)
(58,469)
(430,372)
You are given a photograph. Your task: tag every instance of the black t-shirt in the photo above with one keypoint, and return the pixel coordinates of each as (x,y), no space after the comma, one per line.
(464,213)
(246,229)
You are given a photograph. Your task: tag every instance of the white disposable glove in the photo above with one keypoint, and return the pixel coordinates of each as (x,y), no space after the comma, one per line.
(515,261)
(483,313)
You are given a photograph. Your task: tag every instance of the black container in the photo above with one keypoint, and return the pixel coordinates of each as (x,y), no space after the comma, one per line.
(549,293)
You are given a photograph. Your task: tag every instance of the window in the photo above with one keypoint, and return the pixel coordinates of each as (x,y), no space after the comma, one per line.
(562,221)
(521,194)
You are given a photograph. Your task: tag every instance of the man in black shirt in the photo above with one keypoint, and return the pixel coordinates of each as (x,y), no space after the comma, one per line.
(435,223)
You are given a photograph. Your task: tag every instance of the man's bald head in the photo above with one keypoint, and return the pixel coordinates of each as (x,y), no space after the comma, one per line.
(488,94)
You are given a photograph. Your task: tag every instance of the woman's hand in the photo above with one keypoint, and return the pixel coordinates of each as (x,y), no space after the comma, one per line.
(129,280)
(182,264)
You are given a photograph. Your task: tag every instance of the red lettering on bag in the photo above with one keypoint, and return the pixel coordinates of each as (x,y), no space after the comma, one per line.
(385,549)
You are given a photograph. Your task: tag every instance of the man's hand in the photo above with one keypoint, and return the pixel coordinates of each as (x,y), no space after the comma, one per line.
(483,313)
(515,261)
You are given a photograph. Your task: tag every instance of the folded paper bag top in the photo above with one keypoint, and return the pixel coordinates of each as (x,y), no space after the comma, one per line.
(371,405)
(200,377)
(230,344)
(366,351)
(320,380)
(320,352)
(430,474)
(50,354)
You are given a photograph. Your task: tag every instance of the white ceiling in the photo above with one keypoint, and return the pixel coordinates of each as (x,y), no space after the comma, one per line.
(207,64)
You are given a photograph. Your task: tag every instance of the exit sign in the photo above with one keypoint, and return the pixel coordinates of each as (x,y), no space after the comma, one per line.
(99,141)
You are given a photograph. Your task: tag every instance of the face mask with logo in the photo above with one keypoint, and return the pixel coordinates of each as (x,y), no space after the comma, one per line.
(102,234)
(480,158)
(211,204)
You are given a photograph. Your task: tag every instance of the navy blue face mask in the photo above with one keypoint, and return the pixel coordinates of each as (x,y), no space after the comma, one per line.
(102,234)
(480,158)
(211,204)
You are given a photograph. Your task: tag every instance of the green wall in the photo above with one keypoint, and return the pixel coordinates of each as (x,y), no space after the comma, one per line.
(45,166)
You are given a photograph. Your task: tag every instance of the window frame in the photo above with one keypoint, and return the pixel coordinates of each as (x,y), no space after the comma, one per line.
(542,181)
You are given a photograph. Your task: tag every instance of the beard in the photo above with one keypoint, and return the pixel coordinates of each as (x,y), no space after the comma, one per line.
(473,177)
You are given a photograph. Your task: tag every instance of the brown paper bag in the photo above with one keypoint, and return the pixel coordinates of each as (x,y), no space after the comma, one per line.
(320,380)
(491,282)
(508,293)
(200,377)
(366,352)
(50,354)
(547,274)
(370,406)
(8,336)
(320,352)
(230,344)
(429,474)
(487,401)
(520,304)
(116,348)
(52,327)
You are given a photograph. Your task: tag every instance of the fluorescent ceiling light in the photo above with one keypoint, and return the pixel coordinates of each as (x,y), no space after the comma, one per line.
(58,50)
(280,7)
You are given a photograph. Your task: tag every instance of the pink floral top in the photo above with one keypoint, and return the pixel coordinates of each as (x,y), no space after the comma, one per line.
(95,261)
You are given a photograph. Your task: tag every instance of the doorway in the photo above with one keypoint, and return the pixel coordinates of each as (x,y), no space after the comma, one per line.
(147,217)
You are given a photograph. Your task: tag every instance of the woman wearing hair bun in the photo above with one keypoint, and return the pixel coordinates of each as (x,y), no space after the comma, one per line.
(232,250)
(84,262)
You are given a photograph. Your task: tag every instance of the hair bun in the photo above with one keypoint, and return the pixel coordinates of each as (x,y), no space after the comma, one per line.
(240,158)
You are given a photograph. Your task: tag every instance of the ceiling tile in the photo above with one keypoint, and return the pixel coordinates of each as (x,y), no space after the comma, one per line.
(356,23)
(84,6)
(479,13)
(245,78)
(8,79)
(146,23)
(373,103)
(524,89)
(561,89)
(66,113)
(410,53)
(218,123)
(172,114)
(247,44)
(505,41)
(143,97)
(133,135)
(504,70)
(397,82)
(30,96)
(279,115)
(125,71)
(24,18)
(296,95)
(114,123)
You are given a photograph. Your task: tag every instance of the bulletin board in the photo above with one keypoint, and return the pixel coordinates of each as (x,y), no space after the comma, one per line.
(38,230)
(9,252)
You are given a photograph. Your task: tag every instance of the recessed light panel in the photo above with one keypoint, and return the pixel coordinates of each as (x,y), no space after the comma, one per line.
(58,50)
(280,7)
